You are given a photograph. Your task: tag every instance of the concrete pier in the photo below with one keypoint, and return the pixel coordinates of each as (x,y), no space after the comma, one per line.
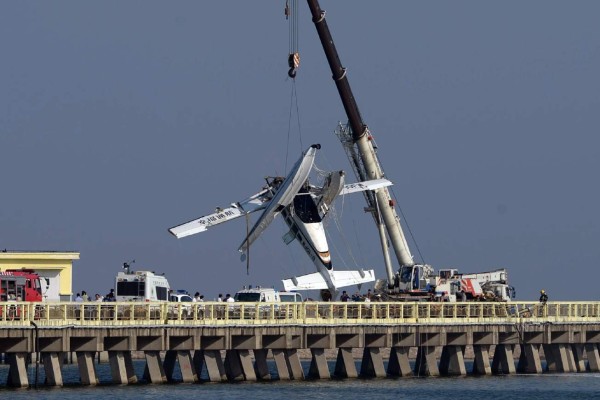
(399,364)
(52,367)
(426,362)
(481,362)
(318,365)
(503,361)
(239,346)
(529,360)
(452,361)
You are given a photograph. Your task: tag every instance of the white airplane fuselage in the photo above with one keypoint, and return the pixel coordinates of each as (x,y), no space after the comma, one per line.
(305,223)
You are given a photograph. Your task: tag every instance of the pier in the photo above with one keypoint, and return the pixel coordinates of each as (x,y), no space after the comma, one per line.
(235,341)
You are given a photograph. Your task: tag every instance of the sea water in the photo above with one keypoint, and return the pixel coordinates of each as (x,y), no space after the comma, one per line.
(537,387)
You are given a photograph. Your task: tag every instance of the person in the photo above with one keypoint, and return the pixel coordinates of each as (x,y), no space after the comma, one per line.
(78,298)
(196,297)
(543,297)
(445,297)
(463,296)
(220,298)
(356,296)
(230,300)
(85,296)
(99,297)
(201,308)
(369,294)
(110,296)
(344,296)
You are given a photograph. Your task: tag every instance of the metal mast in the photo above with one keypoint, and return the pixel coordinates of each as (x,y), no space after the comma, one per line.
(381,205)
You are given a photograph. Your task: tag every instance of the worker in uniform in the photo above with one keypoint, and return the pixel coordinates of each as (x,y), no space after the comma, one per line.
(543,300)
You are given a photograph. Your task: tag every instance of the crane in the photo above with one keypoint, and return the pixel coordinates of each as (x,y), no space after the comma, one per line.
(411,280)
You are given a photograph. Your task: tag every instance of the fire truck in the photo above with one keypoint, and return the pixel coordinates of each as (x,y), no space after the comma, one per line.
(20,285)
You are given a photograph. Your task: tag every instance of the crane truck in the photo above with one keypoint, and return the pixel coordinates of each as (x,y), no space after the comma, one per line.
(412,280)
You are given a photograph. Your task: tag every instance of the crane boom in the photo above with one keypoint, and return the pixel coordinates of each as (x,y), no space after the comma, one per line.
(381,204)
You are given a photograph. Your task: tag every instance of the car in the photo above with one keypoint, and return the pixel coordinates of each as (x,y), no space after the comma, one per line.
(180,297)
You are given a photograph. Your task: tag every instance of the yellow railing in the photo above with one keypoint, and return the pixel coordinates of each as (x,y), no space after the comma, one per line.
(308,313)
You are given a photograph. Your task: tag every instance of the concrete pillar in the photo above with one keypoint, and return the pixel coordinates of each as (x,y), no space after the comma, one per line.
(570,358)
(503,362)
(260,364)
(426,362)
(233,368)
(577,350)
(52,368)
(529,360)
(121,367)
(399,364)
(294,366)
(481,363)
(214,366)
(318,365)
(593,356)
(561,358)
(102,357)
(87,368)
(17,372)
(344,365)
(372,363)
(551,365)
(281,364)
(452,361)
(154,371)
(188,372)
(246,364)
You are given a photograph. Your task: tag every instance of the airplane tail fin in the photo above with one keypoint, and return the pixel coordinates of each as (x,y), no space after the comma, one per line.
(315,281)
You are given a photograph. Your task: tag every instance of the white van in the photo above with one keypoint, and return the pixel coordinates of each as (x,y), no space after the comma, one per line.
(141,286)
(257,295)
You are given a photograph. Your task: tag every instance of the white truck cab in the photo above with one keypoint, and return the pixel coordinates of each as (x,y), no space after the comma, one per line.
(141,286)
(257,295)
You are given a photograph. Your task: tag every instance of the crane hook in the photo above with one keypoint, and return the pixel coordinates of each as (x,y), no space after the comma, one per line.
(293,63)
(287,10)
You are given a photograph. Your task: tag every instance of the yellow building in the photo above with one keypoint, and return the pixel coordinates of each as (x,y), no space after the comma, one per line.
(55,266)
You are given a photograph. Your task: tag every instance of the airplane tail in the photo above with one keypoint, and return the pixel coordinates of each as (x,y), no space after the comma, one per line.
(315,281)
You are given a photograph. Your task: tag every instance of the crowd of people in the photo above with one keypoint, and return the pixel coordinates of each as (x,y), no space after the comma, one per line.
(84,297)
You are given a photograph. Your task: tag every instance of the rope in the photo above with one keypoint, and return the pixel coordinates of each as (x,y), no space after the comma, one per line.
(247,244)
(293,101)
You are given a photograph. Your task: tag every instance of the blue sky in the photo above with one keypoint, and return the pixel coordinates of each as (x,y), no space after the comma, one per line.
(120,119)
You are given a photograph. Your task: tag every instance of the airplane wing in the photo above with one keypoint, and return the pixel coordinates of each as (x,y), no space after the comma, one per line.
(349,278)
(284,196)
(314,281)
(366,185)
(253,203)
(340,279)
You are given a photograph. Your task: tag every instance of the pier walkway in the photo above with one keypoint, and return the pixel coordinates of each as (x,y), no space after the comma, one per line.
(234,341)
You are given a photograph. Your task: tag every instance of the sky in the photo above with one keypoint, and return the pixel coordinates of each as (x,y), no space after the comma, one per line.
(121,119)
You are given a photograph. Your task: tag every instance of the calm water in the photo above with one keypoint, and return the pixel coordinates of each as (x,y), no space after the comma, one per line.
(546,386)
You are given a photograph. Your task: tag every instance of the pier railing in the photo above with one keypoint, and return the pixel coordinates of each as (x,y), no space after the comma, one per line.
(57,314)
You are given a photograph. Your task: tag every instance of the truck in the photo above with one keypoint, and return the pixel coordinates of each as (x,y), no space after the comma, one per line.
(257,294)
(141,286)
(21,285)
(412,281)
